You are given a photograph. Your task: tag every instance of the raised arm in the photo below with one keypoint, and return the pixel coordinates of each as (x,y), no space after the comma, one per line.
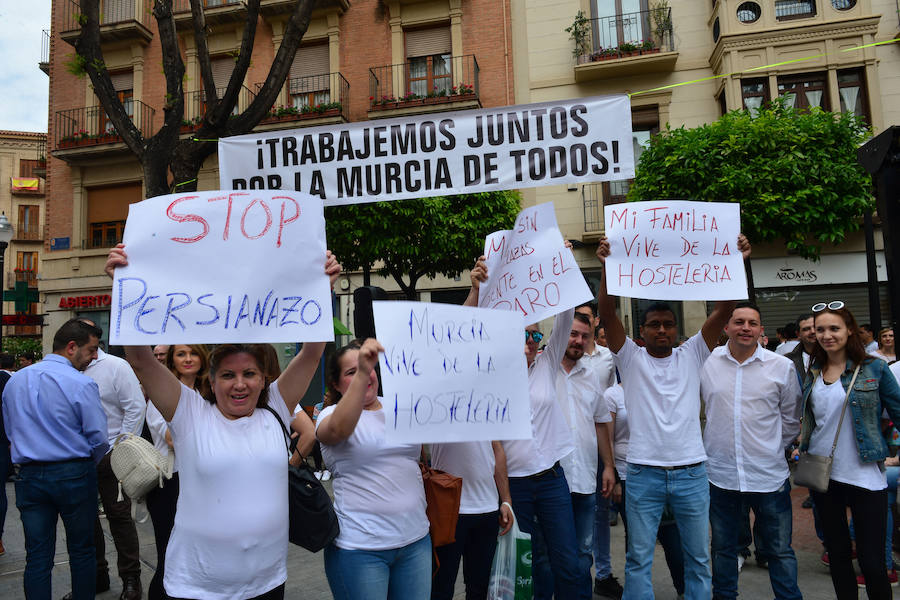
(339,425)
(606,304)
(716,321)
(502,481)
(160,385)
(478,275)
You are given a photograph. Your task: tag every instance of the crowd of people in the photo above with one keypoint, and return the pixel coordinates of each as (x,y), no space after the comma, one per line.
(682,439)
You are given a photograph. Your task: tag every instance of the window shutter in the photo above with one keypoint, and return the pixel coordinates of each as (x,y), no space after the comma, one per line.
(221,71)
(310,60)
(428,42)
(122,81)
(111,203)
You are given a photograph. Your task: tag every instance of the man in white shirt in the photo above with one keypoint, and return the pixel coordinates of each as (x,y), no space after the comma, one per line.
(801,354)
(124,405)
(790,339)
(666,458)
(752,400)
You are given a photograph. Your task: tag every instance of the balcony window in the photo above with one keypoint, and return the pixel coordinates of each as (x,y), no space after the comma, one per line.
(310,84)
(26,267)
(852,92)
(621,22)
(123,83)
(804,91)
(755,93)
(645,123)
(794,9)
(429,68)
(107,209)
(28,227)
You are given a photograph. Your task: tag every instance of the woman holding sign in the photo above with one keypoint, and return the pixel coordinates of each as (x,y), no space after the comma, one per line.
(230,534)
(844,396)
(383,550)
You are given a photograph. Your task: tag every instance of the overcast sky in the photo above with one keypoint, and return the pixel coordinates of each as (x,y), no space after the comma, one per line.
(24,85)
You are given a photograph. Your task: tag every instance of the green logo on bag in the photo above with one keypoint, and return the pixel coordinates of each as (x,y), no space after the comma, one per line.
(524,586)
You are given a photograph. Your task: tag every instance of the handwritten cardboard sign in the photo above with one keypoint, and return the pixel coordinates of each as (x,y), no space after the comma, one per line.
(418,156)
(676,250)
(530,271)
(452,373)
(223,266)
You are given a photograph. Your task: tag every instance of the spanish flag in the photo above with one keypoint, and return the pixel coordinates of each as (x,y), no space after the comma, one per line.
(26,184)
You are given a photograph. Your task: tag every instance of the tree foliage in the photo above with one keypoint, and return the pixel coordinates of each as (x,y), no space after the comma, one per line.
(794,173)
(418,238)
(19,345)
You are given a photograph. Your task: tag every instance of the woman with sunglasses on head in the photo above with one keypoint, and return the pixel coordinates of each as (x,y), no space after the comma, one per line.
(844,395)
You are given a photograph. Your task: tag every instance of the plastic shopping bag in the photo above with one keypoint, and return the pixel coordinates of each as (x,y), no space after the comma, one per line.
(511,569)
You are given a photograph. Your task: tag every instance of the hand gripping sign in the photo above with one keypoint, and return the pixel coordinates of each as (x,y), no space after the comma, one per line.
(452,373)
(530,270)
(223,266)
(675,249)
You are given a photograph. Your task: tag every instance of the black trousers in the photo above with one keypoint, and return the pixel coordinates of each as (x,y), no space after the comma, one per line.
(161,504)
(476,541)
(273,594)
(869,511)
(121,526)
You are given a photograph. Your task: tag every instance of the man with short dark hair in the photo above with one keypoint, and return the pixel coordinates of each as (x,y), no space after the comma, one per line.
(666,458)
(868,338)
(789,332)
(802,353)
(57,431)
(752,401)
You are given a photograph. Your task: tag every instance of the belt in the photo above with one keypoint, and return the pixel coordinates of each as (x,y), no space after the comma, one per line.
(545,472)
(46,463)
(675,468)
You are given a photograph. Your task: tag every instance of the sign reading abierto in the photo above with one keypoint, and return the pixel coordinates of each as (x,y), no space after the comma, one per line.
(452,373)
(530,270)
(223,266)
(577,141)
(675,250)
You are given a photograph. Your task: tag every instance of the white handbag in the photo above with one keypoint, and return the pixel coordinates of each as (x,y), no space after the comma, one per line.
(139,466)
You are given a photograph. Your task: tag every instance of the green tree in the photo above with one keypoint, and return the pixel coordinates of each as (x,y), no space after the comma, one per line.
(794,173)
(418,238)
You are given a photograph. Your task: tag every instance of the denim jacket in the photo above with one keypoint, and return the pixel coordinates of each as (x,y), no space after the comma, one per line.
(875,390)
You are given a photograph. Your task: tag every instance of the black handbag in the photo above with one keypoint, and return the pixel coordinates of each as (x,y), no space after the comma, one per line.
(313,523)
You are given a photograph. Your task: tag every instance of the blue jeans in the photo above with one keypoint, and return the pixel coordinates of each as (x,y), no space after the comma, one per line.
(546,498)
(602,560)
(892,474)
(583,508)
(43,494)
(5,470)
(773,519)
(398,574)
(686,491)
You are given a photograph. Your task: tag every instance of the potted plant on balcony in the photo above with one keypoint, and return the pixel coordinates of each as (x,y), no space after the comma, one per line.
(662,21)
(629,49)
(649,47)
(579,32)
(463,91)
(605,54)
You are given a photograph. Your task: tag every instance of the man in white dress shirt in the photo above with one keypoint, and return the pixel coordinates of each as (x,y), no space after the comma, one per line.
(752,400)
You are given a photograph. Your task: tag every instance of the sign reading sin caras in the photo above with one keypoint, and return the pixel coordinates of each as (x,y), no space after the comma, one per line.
(223,266)
(676,250)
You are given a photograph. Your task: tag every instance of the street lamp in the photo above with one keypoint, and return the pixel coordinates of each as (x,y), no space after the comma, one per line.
(6,235)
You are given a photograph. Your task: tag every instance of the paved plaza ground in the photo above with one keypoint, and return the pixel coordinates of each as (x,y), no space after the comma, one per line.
(306,574)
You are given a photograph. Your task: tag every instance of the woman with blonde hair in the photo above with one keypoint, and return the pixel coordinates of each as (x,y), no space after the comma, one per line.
(887,351)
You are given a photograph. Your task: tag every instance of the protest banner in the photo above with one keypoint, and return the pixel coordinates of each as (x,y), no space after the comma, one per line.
(218,267)
(461,152)
(452,373)
(530,270)
(675,250)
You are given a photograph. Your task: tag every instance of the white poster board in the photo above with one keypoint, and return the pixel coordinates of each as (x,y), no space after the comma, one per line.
(452,373)
(675,250)
(456,152)
(223,266)
(530,270)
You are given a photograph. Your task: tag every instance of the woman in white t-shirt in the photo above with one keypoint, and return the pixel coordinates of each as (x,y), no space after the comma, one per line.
(857,482)
(383,550)
(230,537)
(887,351)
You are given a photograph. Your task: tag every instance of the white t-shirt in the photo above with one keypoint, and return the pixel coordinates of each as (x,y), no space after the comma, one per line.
(827,401)
(895,369)
(581,401)
(550,440)
(615,401)
(662,396)
(474,462)
(158,428)
(230,538)
(785,347)
(379,496)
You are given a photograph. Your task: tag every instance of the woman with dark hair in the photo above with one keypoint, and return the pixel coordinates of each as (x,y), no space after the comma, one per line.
(843,379)
(190,364)
(383,550)
(230,535)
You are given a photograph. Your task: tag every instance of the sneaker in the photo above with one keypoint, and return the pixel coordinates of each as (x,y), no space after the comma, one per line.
(741,560)
(608,588)
(824,559)
(326,475)
(318,474)
(2,549)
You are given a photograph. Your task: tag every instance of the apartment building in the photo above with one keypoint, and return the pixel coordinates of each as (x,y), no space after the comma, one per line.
(357,62)
(23,165)
(808,50)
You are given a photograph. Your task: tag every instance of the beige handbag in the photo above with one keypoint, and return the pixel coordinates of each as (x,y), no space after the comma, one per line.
(814,471)
(139,466)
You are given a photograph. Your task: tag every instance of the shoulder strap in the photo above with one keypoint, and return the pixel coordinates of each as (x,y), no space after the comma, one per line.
(844,410)
(291,442)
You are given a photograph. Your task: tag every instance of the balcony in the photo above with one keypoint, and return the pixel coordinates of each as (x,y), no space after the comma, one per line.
(195,105)
(629,44)
(430,84)
(88,132)
(29,276)
(594,197)
(44,64)
(40,169)
(315,100)
(215,12)
(28,232)
(274,8)
(119,20)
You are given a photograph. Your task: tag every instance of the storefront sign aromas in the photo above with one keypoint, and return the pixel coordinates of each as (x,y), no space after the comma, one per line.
(98,301)
(513,147)
(452,373)
(676,250)
(831,269)
(223,266)
(530,271)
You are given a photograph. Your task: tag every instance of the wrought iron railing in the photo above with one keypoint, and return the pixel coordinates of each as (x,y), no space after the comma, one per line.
(432,79)
(28,276)
(90,126)
(312,96)
(630,34)
(45,46)
(180,6)
(28,231)
(111,12)
(597,195)
(195,105)
(794,9)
